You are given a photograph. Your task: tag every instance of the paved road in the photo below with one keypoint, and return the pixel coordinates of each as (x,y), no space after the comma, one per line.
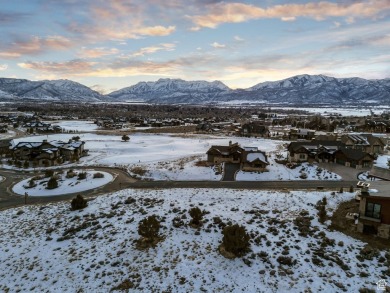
(123,180)
(9,199)
(229,171)
(333,185)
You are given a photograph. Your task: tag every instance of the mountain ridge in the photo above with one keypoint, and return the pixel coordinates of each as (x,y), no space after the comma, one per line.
(299,89)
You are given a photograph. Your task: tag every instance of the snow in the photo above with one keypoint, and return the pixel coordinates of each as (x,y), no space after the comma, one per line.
(77,125)
(254,156)
(66,185)
(381,161)
(40,251)
(169,157)
(281,172)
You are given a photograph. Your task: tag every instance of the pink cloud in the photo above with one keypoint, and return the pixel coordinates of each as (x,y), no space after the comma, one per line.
(239,12)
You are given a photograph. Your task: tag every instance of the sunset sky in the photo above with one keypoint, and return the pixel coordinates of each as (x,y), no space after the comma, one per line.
(108,45)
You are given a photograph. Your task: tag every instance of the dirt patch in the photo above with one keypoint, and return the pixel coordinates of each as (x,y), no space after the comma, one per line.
(346,226)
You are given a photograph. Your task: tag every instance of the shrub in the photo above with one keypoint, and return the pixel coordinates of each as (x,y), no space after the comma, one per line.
(149,228)
(98,175)
(70,174)
(138,170)
(32,183)
(52,183)
(125,137)
(49,173)
(78,203)
(82,175)
(235,240)
(196,215)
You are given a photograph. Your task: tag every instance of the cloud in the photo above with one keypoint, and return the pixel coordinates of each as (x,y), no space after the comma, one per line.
(217,45)
(34,46)
(153,49)
(12,17)
(97,52)
(238,39)
(239,12)
(3,67)
(119,20)
(73,67)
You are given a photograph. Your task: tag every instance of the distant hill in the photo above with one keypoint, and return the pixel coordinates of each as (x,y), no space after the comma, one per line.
(47,90)
(296,90)
(172,91)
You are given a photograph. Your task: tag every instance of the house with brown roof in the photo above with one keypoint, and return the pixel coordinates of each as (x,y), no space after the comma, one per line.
(255,129)
(328,151)
(310,151)
(225,154)
(249,158)
(353,158)
(364,142)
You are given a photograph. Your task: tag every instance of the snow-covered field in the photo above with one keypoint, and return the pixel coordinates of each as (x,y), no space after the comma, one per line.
(76,125)
(280,172)
(53,249)
(167,157)
(65,185)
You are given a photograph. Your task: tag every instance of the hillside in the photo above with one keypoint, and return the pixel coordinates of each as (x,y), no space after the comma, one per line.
(46,90)
(94,250)
(296,90)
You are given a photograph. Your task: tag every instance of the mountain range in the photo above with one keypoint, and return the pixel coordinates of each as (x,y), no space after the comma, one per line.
(296,90)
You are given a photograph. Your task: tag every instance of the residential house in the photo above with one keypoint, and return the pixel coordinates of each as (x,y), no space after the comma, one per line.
(48,153)
(255,129)
(249,158)
(374,215)
(353,158)
(301,133)
(364,142)
(225,154)
(254,160)
(310,151)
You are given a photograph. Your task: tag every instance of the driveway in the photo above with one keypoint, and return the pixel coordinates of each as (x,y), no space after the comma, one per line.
(347,173)
(229,172)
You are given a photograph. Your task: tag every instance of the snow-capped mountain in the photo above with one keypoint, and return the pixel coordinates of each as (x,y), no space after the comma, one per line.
(300,89)
(172,91)
(296,90)
(320,89)
(57,90)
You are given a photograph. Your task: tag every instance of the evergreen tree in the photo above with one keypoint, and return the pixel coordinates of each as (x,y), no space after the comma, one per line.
(149,228)
(196,215)
(78,203)
(235,240)
(52,183)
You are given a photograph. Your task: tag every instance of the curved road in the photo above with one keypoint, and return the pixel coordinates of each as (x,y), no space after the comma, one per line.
(123,180)
(9,199)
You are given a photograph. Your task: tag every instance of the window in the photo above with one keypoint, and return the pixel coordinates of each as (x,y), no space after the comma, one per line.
(373,210)
(302,156)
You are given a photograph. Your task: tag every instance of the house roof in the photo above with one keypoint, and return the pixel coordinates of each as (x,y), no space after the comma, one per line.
(71,145)
(256,156)
(354,154)
(314,145)
(225,149)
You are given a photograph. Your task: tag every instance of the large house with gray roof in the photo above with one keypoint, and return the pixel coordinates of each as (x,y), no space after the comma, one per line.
(48,153)
(329,151)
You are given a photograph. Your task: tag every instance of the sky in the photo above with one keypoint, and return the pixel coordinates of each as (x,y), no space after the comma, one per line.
(108,45)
